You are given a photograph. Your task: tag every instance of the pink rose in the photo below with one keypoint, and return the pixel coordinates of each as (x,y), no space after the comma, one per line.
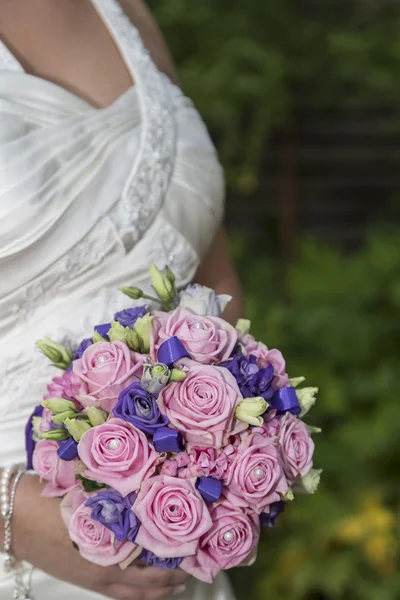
(208,340)
(202,406)
(66,386)
(173,515)
(59,474)
(117,454)
(256,476)
(105,369)
(96,543)
(231,541)
(297,447)
(267,357)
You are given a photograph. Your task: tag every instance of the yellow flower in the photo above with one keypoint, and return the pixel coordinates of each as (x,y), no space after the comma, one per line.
(380,551)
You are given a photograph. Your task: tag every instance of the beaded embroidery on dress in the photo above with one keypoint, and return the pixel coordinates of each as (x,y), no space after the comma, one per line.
(88,199)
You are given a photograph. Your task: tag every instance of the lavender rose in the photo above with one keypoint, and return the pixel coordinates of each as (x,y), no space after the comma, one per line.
(162,563)
(129,316)
(252,379)
(139,407)
(115,512)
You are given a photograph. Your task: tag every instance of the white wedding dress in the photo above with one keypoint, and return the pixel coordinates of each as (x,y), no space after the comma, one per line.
(88,199)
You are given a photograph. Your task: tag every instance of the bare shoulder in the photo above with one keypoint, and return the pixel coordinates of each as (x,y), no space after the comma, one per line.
(141,16)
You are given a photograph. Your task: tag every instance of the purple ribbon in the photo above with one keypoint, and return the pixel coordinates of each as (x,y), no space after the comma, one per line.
(29,441)
(168,440)
(209,488)
(172,350)
(103,330)
(67,450)
(285,400)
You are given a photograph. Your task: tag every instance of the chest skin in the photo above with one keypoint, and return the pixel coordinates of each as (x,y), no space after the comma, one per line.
(67,43)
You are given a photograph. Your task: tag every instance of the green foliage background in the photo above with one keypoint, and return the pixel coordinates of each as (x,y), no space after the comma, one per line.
(242,60)
(335,318)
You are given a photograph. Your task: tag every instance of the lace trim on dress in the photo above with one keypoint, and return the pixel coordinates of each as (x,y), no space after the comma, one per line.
(148,183)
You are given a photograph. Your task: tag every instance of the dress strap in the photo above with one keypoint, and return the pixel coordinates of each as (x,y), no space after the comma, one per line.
(8,62)
(148,182)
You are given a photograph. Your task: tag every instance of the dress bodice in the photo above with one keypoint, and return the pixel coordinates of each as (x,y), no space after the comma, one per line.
(88,199)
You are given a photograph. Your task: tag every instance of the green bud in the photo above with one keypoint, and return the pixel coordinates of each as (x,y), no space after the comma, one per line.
(56,434)
(98,338)
(177,375)
(36,422)
(132,339)
(163,287)
(59,405)
(288,497)
(309,483)
(250,411)
(117,332)
(307,398)
(142,328)
(244,326)
(77,428)
(59,355)
(170,275)
(97,416)
(312,429)
(59,419)
(133,292)
(296,381)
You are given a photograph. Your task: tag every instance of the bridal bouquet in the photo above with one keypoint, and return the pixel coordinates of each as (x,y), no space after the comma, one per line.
(172,436)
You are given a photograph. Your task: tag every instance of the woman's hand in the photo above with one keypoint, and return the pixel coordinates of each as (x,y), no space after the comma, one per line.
(41,538)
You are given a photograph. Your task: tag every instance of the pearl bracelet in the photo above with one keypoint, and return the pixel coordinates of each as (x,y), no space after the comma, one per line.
(8,487)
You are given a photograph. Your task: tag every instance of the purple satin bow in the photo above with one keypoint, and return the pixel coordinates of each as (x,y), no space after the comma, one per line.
(285,400)
(172,350)
(209,488)
(67,450)
(168,440)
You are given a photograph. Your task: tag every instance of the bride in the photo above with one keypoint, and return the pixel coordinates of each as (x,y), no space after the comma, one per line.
(105,166)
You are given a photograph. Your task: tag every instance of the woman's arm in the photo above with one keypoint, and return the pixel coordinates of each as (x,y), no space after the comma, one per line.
(40,537)
(217,272)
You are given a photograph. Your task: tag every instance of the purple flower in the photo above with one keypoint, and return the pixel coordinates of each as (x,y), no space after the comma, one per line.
(162,563)
(269,519)
(103,330)
(252,379)
(129,316)
(81,348)
(139,407)
(115,512)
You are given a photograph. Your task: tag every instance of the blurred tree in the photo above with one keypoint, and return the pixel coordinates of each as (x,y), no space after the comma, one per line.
(244,62)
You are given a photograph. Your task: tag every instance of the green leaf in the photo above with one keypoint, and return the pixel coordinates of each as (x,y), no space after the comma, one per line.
(89,485)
